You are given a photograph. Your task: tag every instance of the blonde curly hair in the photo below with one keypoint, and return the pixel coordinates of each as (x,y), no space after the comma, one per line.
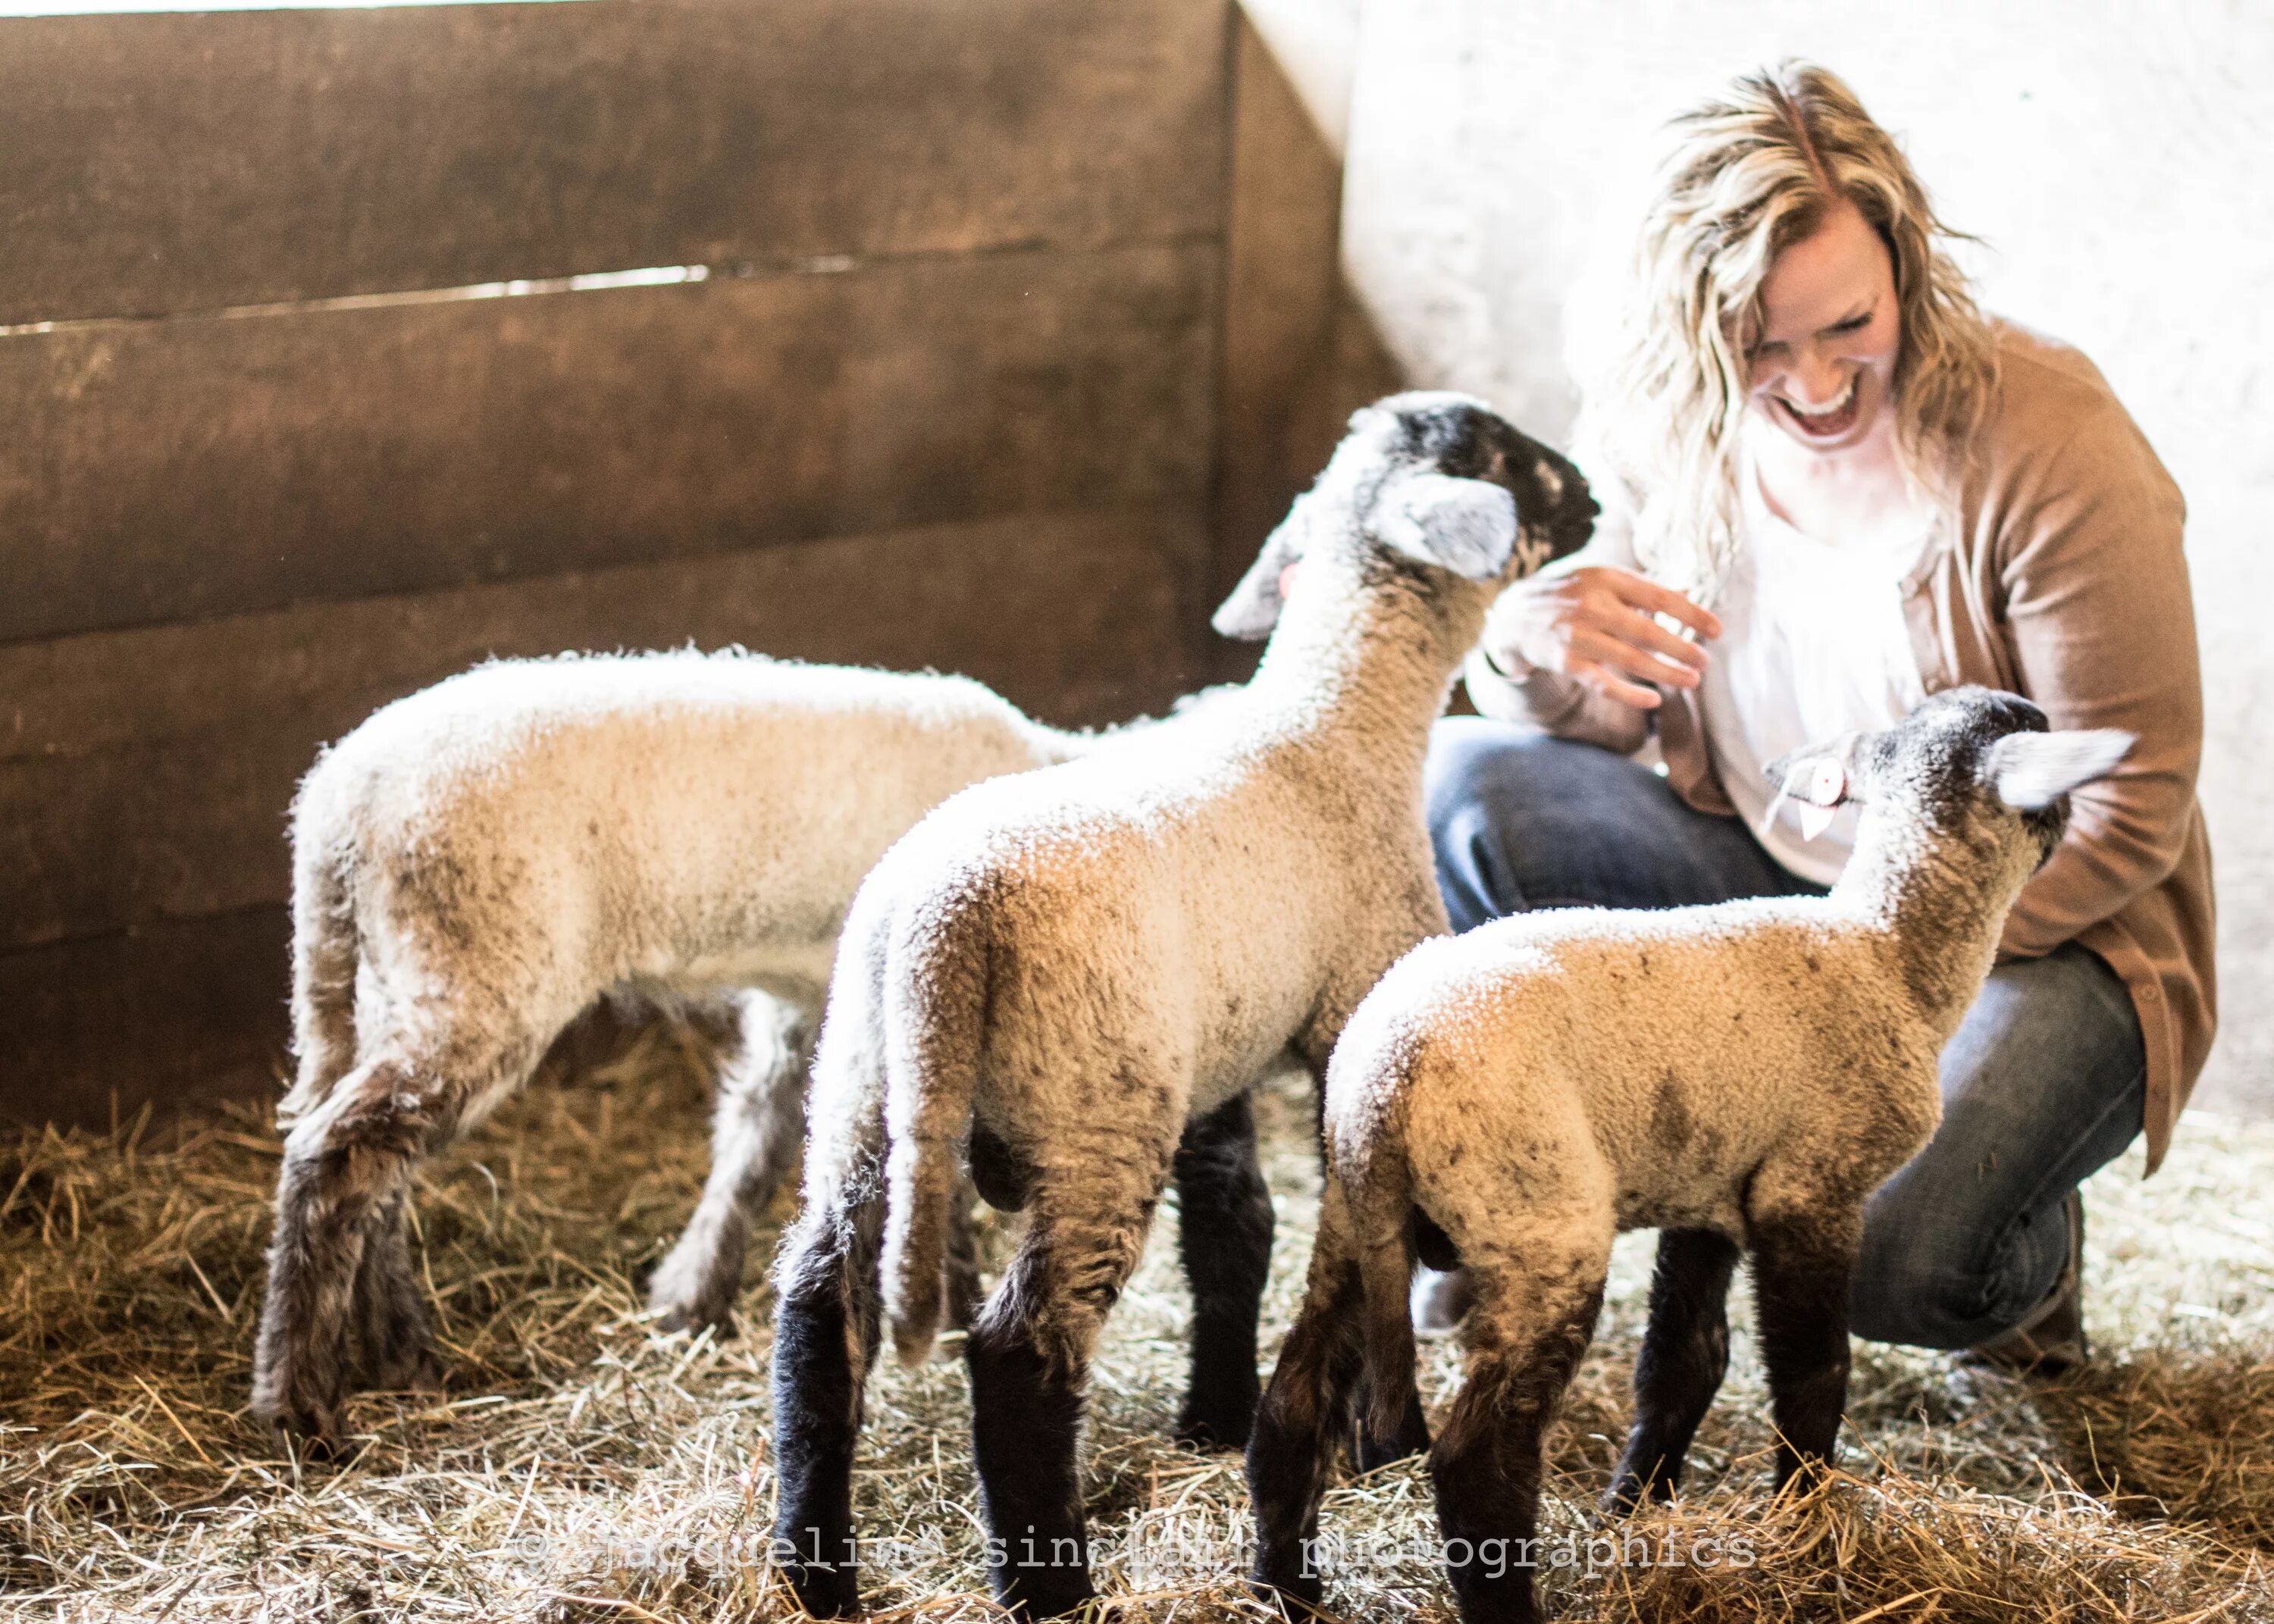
(1753,171)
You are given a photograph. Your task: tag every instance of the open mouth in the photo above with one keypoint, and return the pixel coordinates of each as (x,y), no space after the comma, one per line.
(1828,422)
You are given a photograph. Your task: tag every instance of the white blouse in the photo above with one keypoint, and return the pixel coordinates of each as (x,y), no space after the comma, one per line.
(1813,644)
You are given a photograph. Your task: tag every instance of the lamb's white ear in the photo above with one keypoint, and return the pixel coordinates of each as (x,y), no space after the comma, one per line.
(1467,526)
(2030,771)
(1253,609)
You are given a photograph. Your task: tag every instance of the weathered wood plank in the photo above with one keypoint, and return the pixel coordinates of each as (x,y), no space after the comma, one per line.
(146,774)
(185,1010)
(202,467)
(161,164)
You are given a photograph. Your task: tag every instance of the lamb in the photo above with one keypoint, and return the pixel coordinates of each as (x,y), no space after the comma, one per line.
(1742,1075)
(1065,976)
(476,863)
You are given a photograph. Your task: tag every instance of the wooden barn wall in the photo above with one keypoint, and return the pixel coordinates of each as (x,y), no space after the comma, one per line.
(942,389)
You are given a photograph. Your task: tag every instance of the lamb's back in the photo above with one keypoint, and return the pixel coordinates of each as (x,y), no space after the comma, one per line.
(1694,1044)
(1166,882)
(681,801)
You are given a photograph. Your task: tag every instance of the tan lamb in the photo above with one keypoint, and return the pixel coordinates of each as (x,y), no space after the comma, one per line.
(1074,978)
(477,863)
(1737,1076)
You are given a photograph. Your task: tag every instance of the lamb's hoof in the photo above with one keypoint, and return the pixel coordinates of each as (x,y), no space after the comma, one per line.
(1213,1424)
(1411,1438)
(1299,1601)
(305,1411)
(1625,1497)
(691,1296)
(825,1592)
(1044,1592)
(410,1366)
(718,1321)
(313,1429)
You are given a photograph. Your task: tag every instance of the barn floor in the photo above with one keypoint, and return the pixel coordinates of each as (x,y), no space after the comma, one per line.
(582,1469)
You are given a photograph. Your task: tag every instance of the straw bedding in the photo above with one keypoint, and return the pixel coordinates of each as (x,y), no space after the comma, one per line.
(580,1469)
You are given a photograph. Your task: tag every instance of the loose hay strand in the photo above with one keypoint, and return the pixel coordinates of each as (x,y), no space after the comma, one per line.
(581,1468)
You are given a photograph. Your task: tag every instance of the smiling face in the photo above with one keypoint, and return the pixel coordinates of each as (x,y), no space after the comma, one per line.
(1822,368)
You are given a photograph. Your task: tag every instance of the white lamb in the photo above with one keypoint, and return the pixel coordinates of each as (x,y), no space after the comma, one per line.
(1069,976)
(1743,1074)
(477,863)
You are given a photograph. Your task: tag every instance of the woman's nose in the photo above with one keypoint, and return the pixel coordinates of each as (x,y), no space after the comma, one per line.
(1814,378)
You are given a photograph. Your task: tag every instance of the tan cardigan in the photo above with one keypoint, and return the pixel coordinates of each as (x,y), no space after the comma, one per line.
(2059,577)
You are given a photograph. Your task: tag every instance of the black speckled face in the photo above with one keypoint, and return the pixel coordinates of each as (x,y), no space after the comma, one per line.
(1935,757)
(1462,436)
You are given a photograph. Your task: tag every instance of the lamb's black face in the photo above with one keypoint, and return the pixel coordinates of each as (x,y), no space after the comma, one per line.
(1459,436)
(1937,762)
(1424,483)
(1941,745)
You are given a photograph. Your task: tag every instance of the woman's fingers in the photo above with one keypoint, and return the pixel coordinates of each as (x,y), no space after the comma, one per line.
(1596,625)
(1621,650)
(1640,629)
(1608,683)
(1643,593)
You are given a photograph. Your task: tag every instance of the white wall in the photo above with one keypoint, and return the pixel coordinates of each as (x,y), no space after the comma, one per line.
(2118,157)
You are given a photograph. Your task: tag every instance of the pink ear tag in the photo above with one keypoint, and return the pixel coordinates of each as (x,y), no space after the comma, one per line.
(1827,786)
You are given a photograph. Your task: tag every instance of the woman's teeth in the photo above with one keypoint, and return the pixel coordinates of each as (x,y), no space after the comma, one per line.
(1825,423)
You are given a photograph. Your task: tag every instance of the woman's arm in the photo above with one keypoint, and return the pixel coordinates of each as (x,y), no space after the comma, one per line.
(2100,624)
(1555,703)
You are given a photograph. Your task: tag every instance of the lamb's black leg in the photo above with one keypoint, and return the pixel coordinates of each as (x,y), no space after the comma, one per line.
(1305,1412)
(1029,1355)
(1488,1461)
(826,1312)
(1684,1355)
(1801,1272)
(1224,1233)
(1025,1417)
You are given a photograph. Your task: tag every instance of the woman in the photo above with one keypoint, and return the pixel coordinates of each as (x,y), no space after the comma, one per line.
(1843,489)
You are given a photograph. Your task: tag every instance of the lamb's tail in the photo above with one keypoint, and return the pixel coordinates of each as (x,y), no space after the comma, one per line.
(326,948)
(935,1008)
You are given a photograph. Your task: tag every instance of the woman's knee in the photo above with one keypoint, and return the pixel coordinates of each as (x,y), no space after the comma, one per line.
(1497,798)
(1935,1273)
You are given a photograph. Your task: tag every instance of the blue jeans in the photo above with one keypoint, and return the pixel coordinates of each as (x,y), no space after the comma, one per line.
(2044,1081)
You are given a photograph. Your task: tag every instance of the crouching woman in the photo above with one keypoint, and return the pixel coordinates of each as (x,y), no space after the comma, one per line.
(1845,489)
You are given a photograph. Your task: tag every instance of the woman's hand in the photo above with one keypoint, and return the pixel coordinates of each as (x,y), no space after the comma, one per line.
(1595,624)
